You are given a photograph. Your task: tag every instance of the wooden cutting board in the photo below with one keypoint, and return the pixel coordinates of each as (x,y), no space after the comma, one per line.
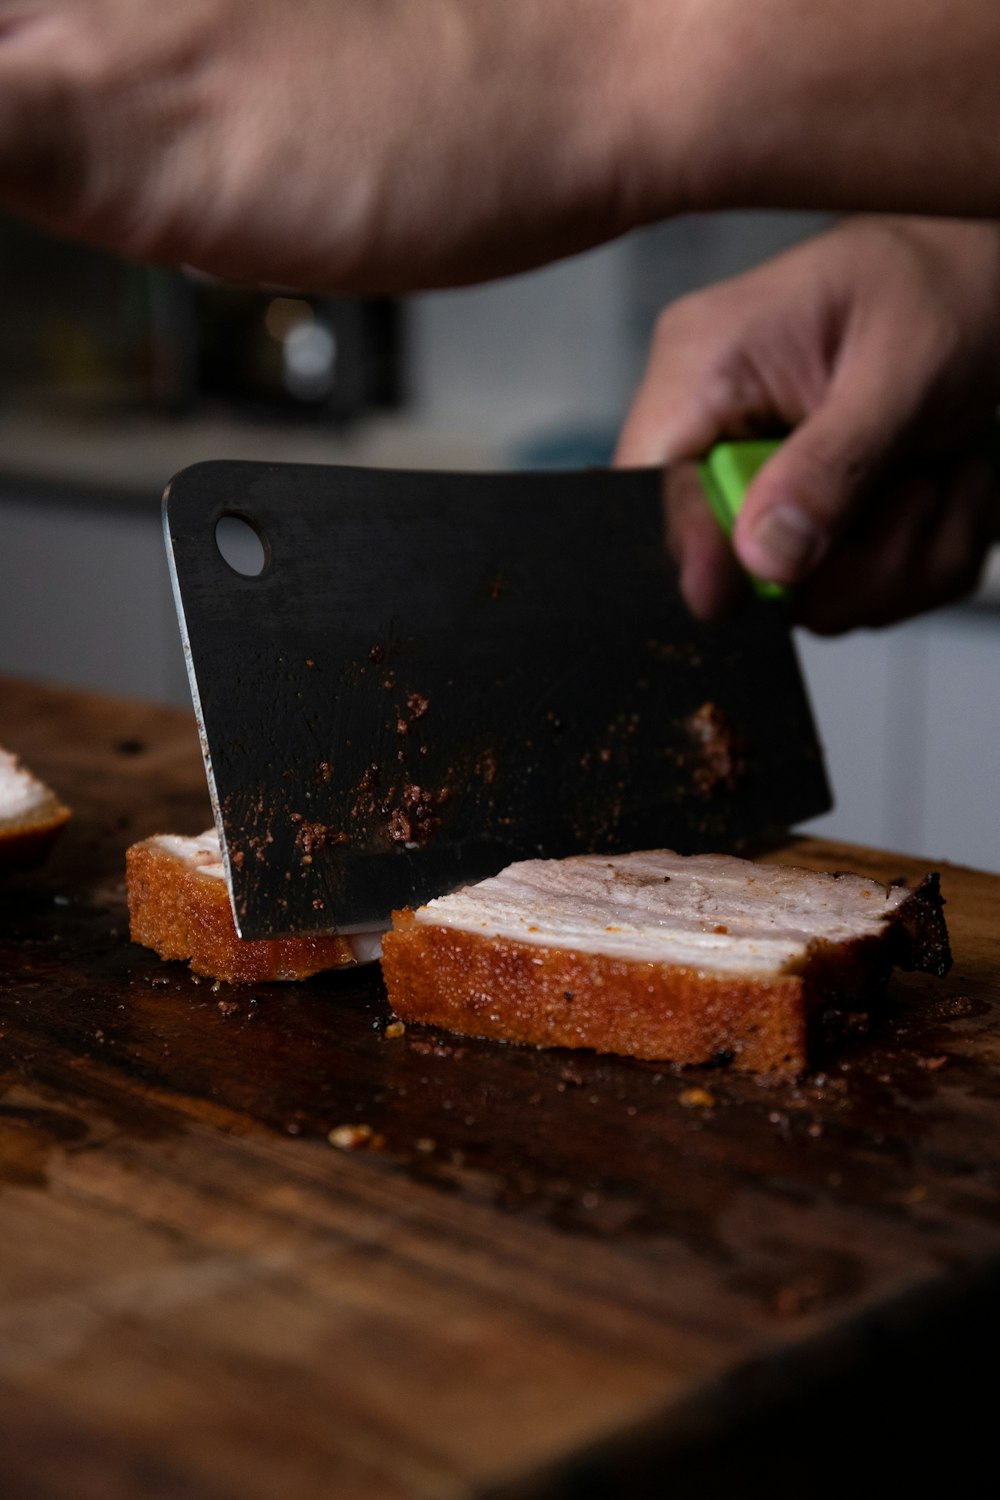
(551,1275)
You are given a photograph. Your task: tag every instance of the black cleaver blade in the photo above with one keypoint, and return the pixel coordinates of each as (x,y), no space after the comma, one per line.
(434,674)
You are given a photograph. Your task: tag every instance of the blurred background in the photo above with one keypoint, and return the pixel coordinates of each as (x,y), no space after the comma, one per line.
(113,377)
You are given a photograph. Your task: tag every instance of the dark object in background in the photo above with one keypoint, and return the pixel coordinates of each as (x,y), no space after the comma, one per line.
(85,331)
(295,355)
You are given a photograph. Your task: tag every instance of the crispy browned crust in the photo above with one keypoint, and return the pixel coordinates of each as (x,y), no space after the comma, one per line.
(548,996)
(555,997)
(25,844)
(181,913)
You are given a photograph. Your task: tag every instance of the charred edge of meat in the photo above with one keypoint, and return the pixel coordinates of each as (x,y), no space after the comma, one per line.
(919,931)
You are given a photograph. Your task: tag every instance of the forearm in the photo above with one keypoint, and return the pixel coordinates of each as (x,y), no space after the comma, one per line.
(837,104)
(388,145)
(495,137)
(372,145)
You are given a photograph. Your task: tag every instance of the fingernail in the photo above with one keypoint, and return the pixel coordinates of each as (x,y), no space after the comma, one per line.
(784,542)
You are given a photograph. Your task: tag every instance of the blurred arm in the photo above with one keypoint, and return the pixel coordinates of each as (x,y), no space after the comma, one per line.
(386,145)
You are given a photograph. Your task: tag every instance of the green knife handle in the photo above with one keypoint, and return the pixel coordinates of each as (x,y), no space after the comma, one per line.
(726,473)
(728,469)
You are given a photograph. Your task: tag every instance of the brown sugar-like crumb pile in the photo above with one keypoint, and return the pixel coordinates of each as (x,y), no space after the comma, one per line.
(31,816)
(660,956)
(179,906)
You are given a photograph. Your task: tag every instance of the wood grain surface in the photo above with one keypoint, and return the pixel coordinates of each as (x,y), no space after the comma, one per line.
(548,1275)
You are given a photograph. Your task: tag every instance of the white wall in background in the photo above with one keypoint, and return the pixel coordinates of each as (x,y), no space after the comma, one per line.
(85,599)
(521,356)
(910,718)
(564,347)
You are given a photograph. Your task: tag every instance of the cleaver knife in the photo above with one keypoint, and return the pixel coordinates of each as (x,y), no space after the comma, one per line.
(429,675)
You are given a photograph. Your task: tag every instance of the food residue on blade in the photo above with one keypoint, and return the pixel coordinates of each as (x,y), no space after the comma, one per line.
(311,836)
(721,763)
(416,818)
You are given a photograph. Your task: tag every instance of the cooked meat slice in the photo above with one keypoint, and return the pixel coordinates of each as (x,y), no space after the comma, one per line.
(31,815)
(179,906)
(659,955)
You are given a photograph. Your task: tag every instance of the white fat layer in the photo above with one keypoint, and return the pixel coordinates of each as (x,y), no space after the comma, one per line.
(661,907)
(21,794)
(204,852)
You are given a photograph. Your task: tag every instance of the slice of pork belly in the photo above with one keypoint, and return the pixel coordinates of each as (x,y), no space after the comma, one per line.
(660,956)
(179,906)
(31,815)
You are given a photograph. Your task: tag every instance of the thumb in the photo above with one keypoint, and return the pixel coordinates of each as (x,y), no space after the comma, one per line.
(807,494)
